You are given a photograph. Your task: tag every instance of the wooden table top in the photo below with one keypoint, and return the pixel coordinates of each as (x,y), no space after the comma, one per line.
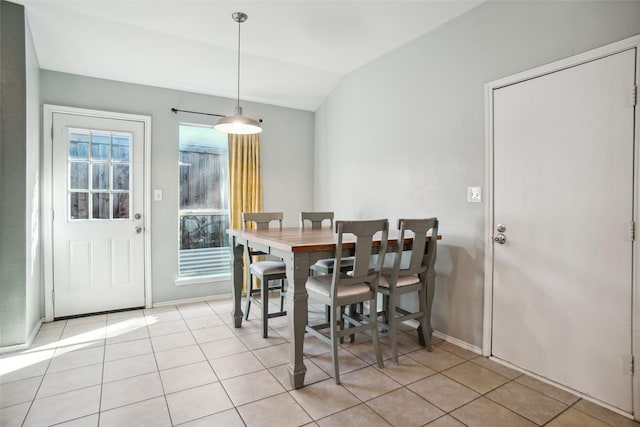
(295,239)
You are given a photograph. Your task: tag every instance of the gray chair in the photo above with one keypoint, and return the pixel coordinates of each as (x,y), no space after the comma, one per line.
(316,219)
(266,271)
(323,266)
(358,286)
(410,276)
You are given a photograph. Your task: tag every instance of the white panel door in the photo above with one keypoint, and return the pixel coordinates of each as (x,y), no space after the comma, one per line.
(563,188)
(98,235)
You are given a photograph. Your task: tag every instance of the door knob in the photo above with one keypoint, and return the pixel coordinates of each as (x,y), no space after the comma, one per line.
(500,238)
(501,228)
(138,229)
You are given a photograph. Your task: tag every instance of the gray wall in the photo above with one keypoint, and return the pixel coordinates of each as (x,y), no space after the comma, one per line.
(12,176)
(287,158)
(404,134)
(20,260)
(20,273)
(33,273)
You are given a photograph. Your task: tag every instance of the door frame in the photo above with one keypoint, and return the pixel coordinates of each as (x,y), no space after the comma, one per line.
(629,43)
(48,111)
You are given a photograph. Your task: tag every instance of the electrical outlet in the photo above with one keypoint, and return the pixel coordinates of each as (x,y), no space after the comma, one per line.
(474,194)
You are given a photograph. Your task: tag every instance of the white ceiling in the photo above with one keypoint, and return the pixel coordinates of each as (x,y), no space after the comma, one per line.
(293,53)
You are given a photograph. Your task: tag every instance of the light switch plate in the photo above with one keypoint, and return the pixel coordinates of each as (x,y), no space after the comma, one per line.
(157,195)
(474,194)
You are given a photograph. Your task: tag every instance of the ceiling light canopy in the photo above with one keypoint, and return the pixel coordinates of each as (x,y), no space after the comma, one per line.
(237,123)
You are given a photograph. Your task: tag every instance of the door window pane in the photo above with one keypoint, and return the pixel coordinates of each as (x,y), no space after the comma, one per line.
(79,145)
(100,206)
(100,146)
(79,205)
(120,177)
(100,180)
(120,205)
(120,148)
(79,176)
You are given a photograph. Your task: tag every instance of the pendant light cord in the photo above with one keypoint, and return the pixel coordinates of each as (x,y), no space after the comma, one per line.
(239,23)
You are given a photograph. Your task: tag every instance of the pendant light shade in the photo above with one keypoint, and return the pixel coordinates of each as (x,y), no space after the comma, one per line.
(237,123)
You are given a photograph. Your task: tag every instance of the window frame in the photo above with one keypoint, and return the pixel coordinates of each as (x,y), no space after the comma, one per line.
(197,277)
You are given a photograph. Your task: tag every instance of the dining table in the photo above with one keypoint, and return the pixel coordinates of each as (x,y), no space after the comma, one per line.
(300,248)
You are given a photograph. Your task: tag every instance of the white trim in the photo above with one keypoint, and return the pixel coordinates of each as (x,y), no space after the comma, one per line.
(458,342)
(13,348)
(611,49)
(488,224)
(191,300)
(148,289)
(198,280)
(47,194)
(26,345)
(635,303)
(572,61)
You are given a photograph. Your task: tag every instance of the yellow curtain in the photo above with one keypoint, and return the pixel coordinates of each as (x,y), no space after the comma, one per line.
(245,177)
(245,180)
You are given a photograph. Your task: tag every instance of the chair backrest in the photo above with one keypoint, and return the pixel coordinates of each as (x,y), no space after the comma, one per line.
(261,219)
(316,219)
(364,232)
(423,251)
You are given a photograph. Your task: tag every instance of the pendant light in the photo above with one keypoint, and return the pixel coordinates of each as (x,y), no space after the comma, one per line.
(238,124)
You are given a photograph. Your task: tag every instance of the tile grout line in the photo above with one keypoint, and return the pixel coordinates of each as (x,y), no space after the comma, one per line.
(235,408)
(26,415)
(104,356)
(264,367)
(480,395)
(153,350)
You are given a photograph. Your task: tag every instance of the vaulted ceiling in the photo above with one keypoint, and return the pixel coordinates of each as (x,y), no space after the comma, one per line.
(293,53)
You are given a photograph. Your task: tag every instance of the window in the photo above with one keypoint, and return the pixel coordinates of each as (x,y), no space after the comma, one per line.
(204,201)
(98,177)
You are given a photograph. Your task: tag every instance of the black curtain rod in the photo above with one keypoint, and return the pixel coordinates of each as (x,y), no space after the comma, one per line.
(176,111)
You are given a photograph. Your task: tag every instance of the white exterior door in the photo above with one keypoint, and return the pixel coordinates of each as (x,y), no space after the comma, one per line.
(98,233)
(563,156)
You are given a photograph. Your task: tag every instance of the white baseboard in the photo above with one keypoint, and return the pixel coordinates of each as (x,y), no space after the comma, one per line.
(11,348)
(190,300)
(30,338)
(458,342)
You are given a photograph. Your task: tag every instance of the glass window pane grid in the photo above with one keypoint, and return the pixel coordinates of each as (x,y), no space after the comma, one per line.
(95,149)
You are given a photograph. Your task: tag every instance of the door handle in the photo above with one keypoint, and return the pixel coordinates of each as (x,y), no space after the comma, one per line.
(500,238)
(138,229)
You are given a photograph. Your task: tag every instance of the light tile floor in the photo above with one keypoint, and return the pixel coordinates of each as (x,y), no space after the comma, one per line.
(185,365)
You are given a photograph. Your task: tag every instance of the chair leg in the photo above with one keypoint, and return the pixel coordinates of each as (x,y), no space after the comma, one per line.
(353,312)
(249,287)
(335,319)
(281,295)
(391,321)
(423,333)
(341,324)
(428,304)
(385,308)
(264,293)
(374,334)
